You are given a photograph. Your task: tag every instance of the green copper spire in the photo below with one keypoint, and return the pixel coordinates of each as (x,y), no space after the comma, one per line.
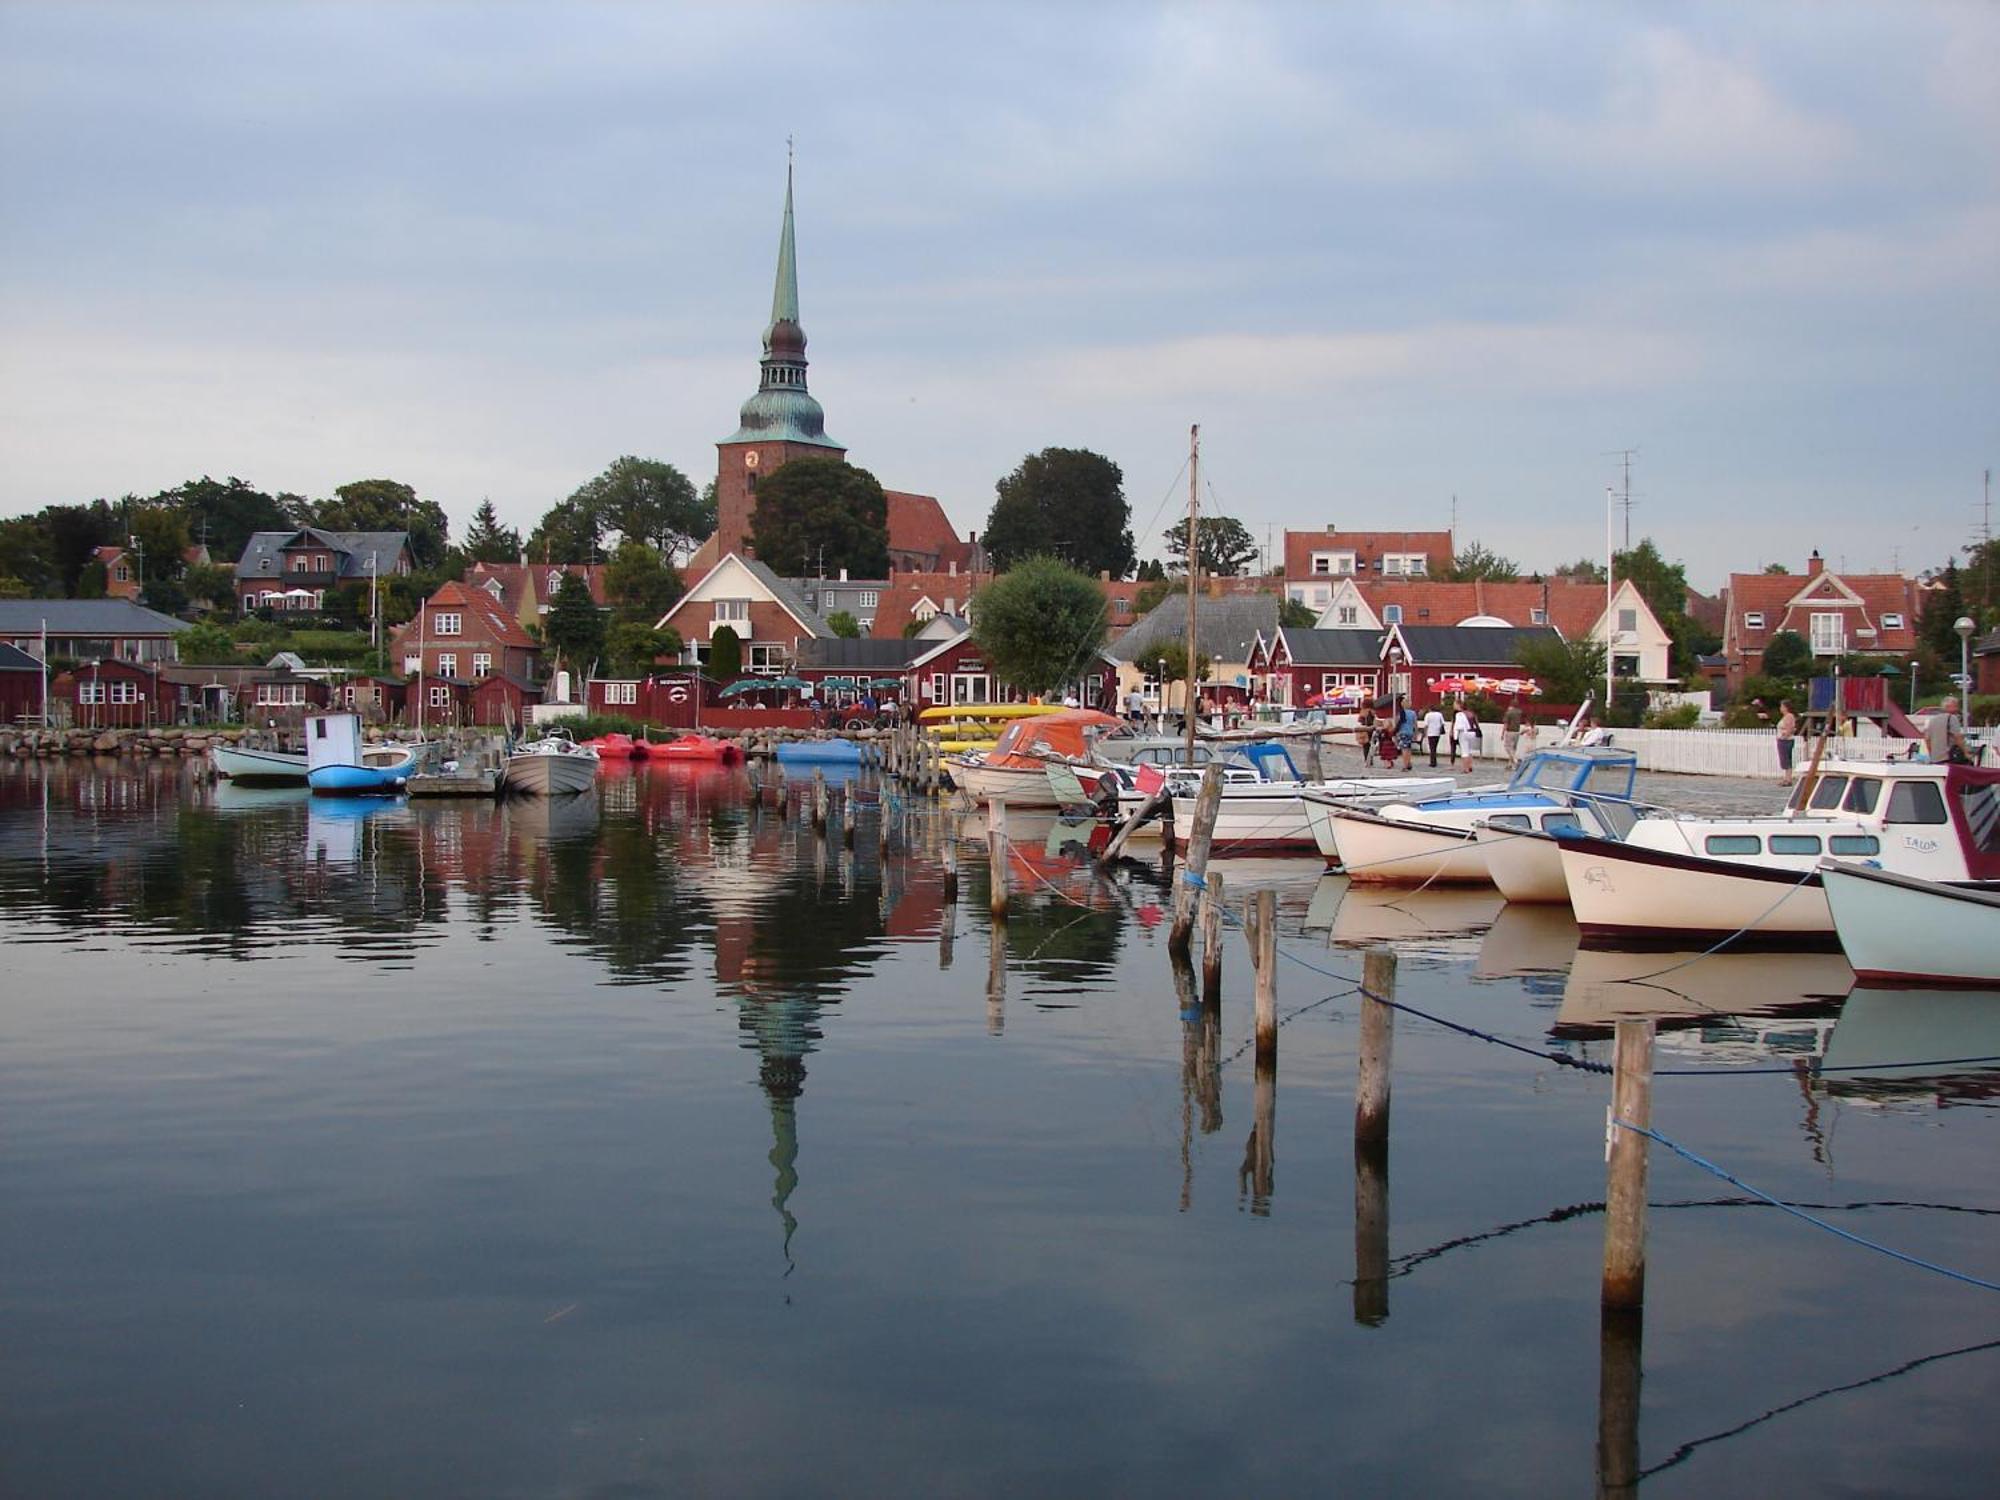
(783,410)
(785,291)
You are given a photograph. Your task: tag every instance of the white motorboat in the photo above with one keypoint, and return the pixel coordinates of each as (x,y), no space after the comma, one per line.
(553,765)
(1900,929)
(1755,880)
(340,763)
(250,763)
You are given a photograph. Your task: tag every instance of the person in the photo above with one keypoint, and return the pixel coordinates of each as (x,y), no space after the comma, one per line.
(1466,731)
(1433,732)
(1367,722)
(1944,735)
(1070,699)
(1593,733)
(1406,731)
(1510,733)
(1135,707)
(1788,738)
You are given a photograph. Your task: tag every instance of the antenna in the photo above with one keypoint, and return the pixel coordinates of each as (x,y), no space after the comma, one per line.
(1625,500)
(1454,520)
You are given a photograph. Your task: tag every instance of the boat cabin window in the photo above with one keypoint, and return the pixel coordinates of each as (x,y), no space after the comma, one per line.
(1510,820)
(1826,796)
(319,729)
(1863,795)
(1980,807)
(1565,819)
(1795,843)
(1915,802)
(1732,843)
(1853,843)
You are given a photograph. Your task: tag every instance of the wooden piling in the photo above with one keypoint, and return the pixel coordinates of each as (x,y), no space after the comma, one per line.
(996,858)
(847,815)
(1206,806)
(1625,1186)
(1371,1233)
(1212,899)
(1265,950)
(996,979)
(1378,1039)
(1620,1342)
(1315,763)
(1260,1154)
(1126,829)
(819,800)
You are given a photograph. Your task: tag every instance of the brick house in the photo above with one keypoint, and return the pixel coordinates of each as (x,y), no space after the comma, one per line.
(768,614)
(1292,667)
(294,570)
(1835,614)
(1316,560)
(462,634)
(527,591)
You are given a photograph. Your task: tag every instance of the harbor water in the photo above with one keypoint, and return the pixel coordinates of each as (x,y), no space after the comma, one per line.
(644,1143)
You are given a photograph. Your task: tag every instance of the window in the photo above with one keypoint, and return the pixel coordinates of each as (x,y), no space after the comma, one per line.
(1509,820)
(621,692)
(764,658)
(319,729)
(1853,843)
(440,696)
(1753,620)
(1829,635)
(1538,617)
(1628,620)
(1892,622)
(1866,792)
(732,609)
(1322,597)
(124,692)
(1564,821)
(1915,802)
(1795,843)
(1731,843)
(272,694)
(444,623)
(937,687)
(122,573)
(1392,614)
(412,665)
(1624,666)
(867,599)
(447,664)
(1827,795)
(1349,614)
(90,692)
(1322,563)
(482,664)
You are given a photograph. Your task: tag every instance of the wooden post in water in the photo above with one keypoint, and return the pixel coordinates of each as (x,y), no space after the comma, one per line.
(1619,1374)
(819,800)
(1260,1155)
(1315,770)
(996,859)
(996,979)
(950,859)
(1212,899)
(1378,1040)
(847,815)
(1625,1188)
(1371,1233)
(1206,806)
(1265,948)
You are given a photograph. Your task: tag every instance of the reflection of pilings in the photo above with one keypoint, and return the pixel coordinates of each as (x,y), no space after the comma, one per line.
(950,861)
(1211,939)
(819,800)
(1619,1373)
(1260,1153)
(996,979)
(1371,1232)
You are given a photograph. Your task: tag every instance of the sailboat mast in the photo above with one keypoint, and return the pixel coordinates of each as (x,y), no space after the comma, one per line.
(1193,580)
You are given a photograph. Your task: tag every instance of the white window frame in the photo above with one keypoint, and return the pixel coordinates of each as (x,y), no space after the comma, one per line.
(447,622)
(1628,621)
(440,695)
(732,611)
(765,658)
(1828,635)
(280,694)
(1753,619)
(1892,621)
(90,692)
(413,666)
(867,599)
(1349,614)
(1392,614)
(621,692)
(447,664)
(482,664)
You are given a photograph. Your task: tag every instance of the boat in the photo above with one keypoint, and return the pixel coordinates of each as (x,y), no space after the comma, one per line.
(1897,1043)
(554,765)
(1016,769)
(694,747)
(616,746)
(1584,788)
(249,763)
(338,763)
(833,752)
(1901,929)
(1756,880)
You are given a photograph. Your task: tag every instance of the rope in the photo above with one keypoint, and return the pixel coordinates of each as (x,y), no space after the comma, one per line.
(1790,891)
(1799,1213)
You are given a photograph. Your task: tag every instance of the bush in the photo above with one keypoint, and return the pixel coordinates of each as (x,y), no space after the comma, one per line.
(590,726)
(1680,716)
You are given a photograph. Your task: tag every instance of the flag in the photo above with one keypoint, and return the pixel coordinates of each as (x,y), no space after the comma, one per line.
(1149,780)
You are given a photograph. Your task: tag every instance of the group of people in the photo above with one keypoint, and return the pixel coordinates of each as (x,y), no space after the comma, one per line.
(1943,741)
(1391,737)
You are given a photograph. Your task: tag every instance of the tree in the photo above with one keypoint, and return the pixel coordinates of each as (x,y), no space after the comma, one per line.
(632,648)
(1942,610)
(93,580)
(486,540)
(645,500)
(567,532)
(1584,568)
(1788,656)
(1226,546)
(639,584)
(222,514)
(207,645)
(1296,616)
(819,515)
(1173,661)
(1778,570)
(25,557)
(387,505)
(844,625)
(162,535)
(725,653)
(74,533)
(165,595)
(1038,623)
(1663,584)
(1152,595)
(1477,562)
(1569,671)
(1067,503)
(575,624)
(211,584)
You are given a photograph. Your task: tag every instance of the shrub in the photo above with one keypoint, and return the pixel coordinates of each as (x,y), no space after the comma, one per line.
(1680,716)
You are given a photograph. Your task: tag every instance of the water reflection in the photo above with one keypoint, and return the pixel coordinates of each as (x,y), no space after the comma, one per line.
(1940,1047)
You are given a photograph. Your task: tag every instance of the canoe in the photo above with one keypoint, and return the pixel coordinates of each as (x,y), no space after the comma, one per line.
(1901,929)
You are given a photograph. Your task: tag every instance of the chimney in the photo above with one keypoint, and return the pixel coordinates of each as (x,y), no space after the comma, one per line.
(1815,564)
(843,575)
(1104,575)
(953,573)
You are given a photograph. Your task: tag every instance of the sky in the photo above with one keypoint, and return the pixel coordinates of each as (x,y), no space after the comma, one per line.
(1394,259)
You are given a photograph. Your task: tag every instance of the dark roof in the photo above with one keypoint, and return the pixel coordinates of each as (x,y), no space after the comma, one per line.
(14,659)
(1987,643)
(353,549)
(786,595)
(106,617)
(1472,645)
(1333,648)
(1225,629)
(868,651)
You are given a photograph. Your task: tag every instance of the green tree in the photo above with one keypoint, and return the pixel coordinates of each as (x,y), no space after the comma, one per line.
(486,540)
(645,500)
(568,532)
(818,515)
(222,514)
(211,584)
(640,584)
(1942,610)
(632,648)
(1152,595)
(575,625)
(1173,660)
(1477,562)
(1788,656)
(387,505)
(725,654)
(1777,570)
(844,625)
(1296,616)
(1663,584)
(207,645)
(1585,568)
(161,532)
(165,595)
(1569,671)
(74,533)
(1067,503)
(92,582)
(1038,623)
(1226,546)
(25,558)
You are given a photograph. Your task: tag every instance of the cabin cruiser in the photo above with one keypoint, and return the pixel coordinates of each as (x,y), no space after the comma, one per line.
(552,765)
(1586,789)
(1757,879)
(1016,770)
(340,763)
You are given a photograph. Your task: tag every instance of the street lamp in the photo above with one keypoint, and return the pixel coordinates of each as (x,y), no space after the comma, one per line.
(1163,695)
(1913,687)
(1964,626)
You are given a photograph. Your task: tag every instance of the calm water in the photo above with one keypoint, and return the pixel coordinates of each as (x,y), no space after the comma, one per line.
(644,1146)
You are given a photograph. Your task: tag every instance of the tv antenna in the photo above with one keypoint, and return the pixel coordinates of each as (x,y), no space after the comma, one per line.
(1626,455)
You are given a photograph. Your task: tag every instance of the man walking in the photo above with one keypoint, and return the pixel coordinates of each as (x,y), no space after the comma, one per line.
(1433,732)
(1510,732)
(1944,735)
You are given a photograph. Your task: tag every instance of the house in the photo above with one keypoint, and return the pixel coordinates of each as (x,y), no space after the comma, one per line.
(1835,614)
(20,686)
(503,698)
(1986,664)
(867,660)
(527,591)
(1293,666)
(955,670)
(1417,658)
(89,629)
(827,597)
(462,634)
(921,539)
(201,694)
(1227,627)
(293,570)
(108,694)
(768,615)
(1316,560)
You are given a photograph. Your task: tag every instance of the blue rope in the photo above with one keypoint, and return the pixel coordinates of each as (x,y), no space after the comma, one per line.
(1799,1213)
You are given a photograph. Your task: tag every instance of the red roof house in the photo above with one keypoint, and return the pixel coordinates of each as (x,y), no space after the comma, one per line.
(463,634)
(1836,614)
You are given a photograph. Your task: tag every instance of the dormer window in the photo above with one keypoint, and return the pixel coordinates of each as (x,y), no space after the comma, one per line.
(1753,619)
(1892,622)
(1538,617)
(555,579)
(1392,614)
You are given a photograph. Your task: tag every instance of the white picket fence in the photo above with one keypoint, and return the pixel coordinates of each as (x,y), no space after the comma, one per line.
(1710,752)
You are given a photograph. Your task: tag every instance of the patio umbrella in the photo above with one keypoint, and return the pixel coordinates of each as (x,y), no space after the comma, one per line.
(847,683)
(747,685)
(894,682)
(787,682)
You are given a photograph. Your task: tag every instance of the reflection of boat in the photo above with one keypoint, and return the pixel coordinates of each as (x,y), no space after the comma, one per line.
(1531,939)
(1952,1037)
(1435,922)
(238,797)
(1613,985)
(333,827)
(1899,928)
(552,819)
(554,765)
(247,763)
(338,762)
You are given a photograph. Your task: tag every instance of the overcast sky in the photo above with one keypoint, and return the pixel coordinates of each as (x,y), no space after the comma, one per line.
(1385,255)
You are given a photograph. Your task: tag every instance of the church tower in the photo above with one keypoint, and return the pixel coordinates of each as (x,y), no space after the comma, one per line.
(782,421)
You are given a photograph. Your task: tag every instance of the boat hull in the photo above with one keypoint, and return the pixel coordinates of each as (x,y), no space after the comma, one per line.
(1384,851)
(358,781)
(1630,894)
(1017,786)
(1895,929)
(551,775)
(239,764)
(1527,868)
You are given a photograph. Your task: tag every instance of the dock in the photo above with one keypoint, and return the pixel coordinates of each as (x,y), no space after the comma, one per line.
(482,783)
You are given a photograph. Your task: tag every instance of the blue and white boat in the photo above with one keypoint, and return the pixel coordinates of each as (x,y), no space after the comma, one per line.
(1578,789)
(339,764)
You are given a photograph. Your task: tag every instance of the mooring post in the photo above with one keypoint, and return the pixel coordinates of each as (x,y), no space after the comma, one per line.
(950,867)
(996,979)
(1206,806)
(1266,951)
(1315,770)
(1621,1333)
(1378,1040)
(1625,1186)
(996,858)
(1212,899)
(819,800)
(1371,1232)
(847,815)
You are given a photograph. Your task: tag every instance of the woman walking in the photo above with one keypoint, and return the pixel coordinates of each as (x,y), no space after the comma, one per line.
(1788,739)
(1466,732)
